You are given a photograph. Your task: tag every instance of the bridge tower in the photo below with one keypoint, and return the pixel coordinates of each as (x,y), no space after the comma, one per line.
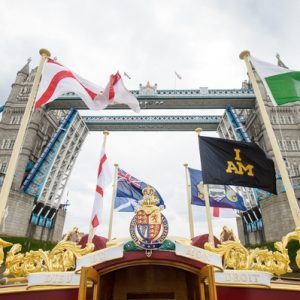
(43,126)
(286,125)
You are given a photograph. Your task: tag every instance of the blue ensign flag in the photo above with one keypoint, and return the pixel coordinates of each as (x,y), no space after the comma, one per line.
(129,193)
(219,195)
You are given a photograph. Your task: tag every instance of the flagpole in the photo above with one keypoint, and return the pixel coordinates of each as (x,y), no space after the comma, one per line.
(245,55)
(190,211)
(113,201)
(175,83)
(8,179)
(105,134)
(93,229)
(207,206)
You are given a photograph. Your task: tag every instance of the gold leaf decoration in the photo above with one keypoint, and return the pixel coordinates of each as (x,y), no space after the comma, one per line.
(237,257)
(295,235)
(3,244)
(60,259)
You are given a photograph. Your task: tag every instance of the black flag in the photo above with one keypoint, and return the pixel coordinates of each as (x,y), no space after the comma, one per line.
(228,162)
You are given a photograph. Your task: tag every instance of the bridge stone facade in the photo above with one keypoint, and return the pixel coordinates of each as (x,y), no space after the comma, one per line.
(276,214)
(42,126)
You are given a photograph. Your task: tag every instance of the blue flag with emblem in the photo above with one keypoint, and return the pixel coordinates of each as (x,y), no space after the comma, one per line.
(129,193)
(219,195)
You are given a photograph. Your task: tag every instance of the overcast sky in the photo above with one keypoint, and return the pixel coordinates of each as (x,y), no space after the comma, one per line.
(149,40)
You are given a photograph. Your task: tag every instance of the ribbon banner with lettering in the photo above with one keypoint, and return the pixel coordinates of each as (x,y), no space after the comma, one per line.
(53,278)
(99,257)
(199,254)
(244,277)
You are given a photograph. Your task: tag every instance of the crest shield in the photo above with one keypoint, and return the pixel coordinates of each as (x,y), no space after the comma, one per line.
(148,225)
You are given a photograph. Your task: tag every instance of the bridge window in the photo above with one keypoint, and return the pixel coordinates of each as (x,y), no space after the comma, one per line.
(34,219)
(48,223)
(7,144)
(3,167)
(282,118)
(15,119)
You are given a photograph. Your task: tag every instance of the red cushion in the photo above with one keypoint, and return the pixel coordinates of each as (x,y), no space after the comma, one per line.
(99,242)
(200,240)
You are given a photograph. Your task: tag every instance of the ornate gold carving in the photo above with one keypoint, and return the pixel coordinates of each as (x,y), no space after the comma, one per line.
(60,259)
(63,256)
(295,235)
(149,197)
(73,235)
(227,235)
(3,244)
(237,257)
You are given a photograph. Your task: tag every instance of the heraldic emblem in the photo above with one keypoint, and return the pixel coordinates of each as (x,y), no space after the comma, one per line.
(149,227)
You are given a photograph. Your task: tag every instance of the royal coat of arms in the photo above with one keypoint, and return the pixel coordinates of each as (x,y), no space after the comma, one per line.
(149,227)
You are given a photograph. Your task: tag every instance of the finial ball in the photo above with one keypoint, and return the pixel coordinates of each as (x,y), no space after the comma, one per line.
(244,54)
(198,130)
(45,52)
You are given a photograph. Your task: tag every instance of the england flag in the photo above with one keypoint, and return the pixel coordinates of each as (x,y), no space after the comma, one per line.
(104,178)
(58,80)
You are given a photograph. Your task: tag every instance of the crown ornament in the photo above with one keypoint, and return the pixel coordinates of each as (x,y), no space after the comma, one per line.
(149,197)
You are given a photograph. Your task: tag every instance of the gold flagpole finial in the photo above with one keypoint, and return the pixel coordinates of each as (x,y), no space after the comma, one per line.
(185,165)
(105,135)
(198,130)
(45,52)
(244,54)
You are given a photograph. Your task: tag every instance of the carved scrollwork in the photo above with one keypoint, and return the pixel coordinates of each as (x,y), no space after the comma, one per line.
(60,259)
(264,260)
(295,235)
(237,257)
(3,244)
(19,264)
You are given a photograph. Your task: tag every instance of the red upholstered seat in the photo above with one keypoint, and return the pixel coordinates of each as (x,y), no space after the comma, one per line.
(99,242)
(200,240)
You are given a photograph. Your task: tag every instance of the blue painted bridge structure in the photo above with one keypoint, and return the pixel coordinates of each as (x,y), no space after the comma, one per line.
(151,123)
(150,97)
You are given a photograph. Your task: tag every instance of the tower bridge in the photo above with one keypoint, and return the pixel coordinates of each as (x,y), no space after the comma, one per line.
(56,133)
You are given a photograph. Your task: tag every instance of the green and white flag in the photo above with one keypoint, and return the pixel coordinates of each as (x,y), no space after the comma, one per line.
(283,85)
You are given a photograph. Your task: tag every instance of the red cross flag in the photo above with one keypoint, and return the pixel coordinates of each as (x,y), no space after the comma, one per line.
(104,178)
(116,92)
(58,80)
